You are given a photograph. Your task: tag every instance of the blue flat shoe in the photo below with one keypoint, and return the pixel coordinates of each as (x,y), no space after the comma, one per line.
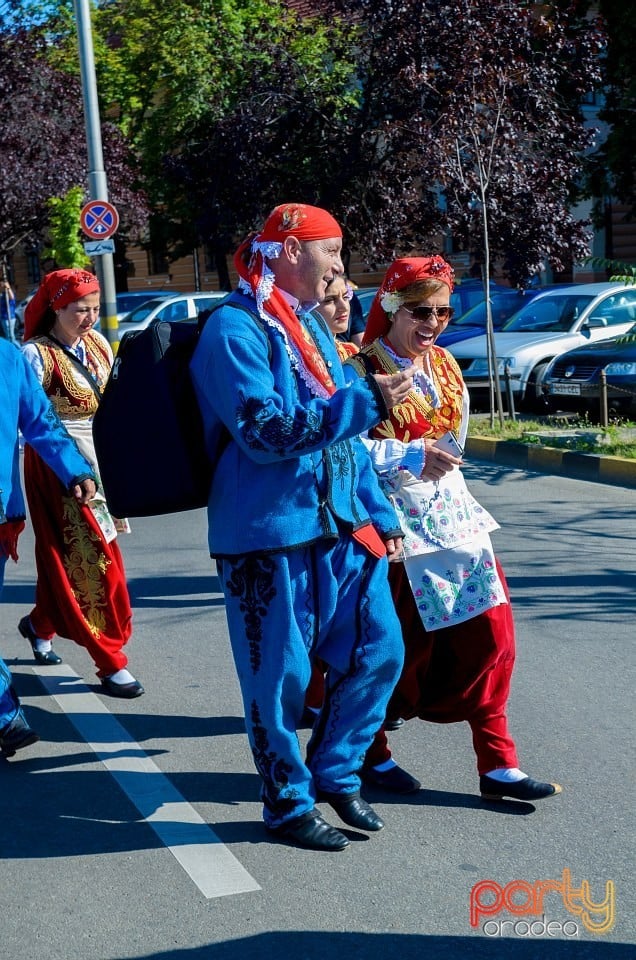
(125,691)
(393,780)
(47,659)
(526,789)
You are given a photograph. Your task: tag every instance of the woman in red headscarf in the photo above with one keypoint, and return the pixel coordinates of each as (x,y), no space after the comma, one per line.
(81,590)
(449,589)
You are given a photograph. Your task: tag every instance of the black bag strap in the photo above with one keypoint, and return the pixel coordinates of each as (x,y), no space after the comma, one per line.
(97,390)
(361,360)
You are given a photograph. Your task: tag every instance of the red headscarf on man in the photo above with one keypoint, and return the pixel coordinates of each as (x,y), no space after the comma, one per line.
(401,274)
(304,222)
(57,289)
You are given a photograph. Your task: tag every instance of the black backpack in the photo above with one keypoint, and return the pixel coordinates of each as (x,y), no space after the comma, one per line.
(148,430)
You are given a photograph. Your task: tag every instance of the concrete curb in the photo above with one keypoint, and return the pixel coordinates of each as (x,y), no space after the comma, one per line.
(565,463)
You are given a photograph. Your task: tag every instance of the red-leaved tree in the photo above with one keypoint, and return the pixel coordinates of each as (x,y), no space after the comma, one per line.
(43,144)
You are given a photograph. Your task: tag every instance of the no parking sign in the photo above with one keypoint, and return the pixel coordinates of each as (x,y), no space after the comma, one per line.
(99,219)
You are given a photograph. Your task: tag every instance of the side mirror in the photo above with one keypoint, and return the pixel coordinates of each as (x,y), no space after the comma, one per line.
(595,322)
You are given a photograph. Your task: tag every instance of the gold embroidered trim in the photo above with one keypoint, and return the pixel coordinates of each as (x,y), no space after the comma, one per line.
(85,565)
(72,398)
(415,409)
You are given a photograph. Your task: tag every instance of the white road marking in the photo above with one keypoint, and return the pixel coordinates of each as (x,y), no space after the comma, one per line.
(206,860)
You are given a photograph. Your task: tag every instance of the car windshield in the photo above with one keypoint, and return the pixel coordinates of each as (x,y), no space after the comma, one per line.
(549,314)
(141,312)
(502,307)
(128,301)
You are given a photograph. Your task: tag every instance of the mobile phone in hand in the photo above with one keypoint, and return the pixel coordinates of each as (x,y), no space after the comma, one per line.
(450,444)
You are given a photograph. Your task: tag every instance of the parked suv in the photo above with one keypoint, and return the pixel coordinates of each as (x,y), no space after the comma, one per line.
(552,323)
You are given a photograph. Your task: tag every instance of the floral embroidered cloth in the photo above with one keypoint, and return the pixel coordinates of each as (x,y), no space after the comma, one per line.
(436,516)
(448,556)
(452,586)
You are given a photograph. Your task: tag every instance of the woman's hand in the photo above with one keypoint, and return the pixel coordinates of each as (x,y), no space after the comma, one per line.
(437,462)
(85,490)
(395,387)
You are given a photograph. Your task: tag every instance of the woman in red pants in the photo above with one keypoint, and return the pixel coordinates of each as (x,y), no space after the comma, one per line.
(81,590)
(449,589)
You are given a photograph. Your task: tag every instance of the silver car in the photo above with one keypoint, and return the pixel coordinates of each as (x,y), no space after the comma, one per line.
(552,323)
(185,306)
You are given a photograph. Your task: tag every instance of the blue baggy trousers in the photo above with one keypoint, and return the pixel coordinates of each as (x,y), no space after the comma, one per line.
(329,600)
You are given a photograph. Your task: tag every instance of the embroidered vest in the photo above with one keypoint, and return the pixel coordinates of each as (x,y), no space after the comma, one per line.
(70,393)
(416,417)
(345,349)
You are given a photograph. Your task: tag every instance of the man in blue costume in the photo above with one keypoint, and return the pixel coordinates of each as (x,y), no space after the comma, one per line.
(24,406)
(298,525)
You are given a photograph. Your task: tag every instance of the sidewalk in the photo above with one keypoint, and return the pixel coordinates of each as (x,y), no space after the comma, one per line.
(565,463)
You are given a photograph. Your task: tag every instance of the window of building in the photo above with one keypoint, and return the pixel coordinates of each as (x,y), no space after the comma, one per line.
(34,272)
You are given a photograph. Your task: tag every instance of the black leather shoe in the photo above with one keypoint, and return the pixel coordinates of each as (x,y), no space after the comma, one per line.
(393,724)
(47,659)
(312,832)
(526,789)
(16,735)
(394,780)
(353,810)
(125,691)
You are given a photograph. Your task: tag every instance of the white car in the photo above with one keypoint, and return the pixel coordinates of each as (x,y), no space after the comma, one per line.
(127,301)
(185,306)
(550,324)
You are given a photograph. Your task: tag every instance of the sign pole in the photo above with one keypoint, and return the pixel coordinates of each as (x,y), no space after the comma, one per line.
(98,188)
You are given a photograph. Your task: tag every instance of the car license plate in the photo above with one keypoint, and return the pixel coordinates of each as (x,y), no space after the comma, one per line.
(571,389)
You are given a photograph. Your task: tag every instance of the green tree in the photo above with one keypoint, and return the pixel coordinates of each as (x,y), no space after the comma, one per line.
(66,246)
(207,64)
(43,149)
(390,116)
(613,166)
(177,77)
(445,92)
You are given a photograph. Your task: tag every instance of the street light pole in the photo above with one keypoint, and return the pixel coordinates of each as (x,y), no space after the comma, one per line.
(98,188)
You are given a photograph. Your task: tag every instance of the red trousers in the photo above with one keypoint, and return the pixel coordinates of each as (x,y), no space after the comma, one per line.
(458,673)
(81,590)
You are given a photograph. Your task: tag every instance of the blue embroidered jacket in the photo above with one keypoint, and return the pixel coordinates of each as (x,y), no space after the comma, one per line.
(294,470)
(24,404)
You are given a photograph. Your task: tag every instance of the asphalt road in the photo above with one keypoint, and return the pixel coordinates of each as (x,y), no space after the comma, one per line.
(132,830)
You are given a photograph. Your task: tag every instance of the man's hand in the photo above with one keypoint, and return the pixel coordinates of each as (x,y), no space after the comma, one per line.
(9,533)
(438,462)
(395,387)
(394,548)
(85,490)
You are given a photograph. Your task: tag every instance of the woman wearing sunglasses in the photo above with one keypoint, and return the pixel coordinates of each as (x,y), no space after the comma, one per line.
(448,587)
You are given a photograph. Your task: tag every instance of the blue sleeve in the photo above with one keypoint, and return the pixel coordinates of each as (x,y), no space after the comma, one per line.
(241,379)
(378,505)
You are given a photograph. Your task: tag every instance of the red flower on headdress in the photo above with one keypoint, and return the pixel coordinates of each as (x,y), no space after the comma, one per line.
(291,218)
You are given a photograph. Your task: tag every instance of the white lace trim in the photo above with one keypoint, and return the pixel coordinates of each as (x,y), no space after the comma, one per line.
(272,249)
(268,248)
